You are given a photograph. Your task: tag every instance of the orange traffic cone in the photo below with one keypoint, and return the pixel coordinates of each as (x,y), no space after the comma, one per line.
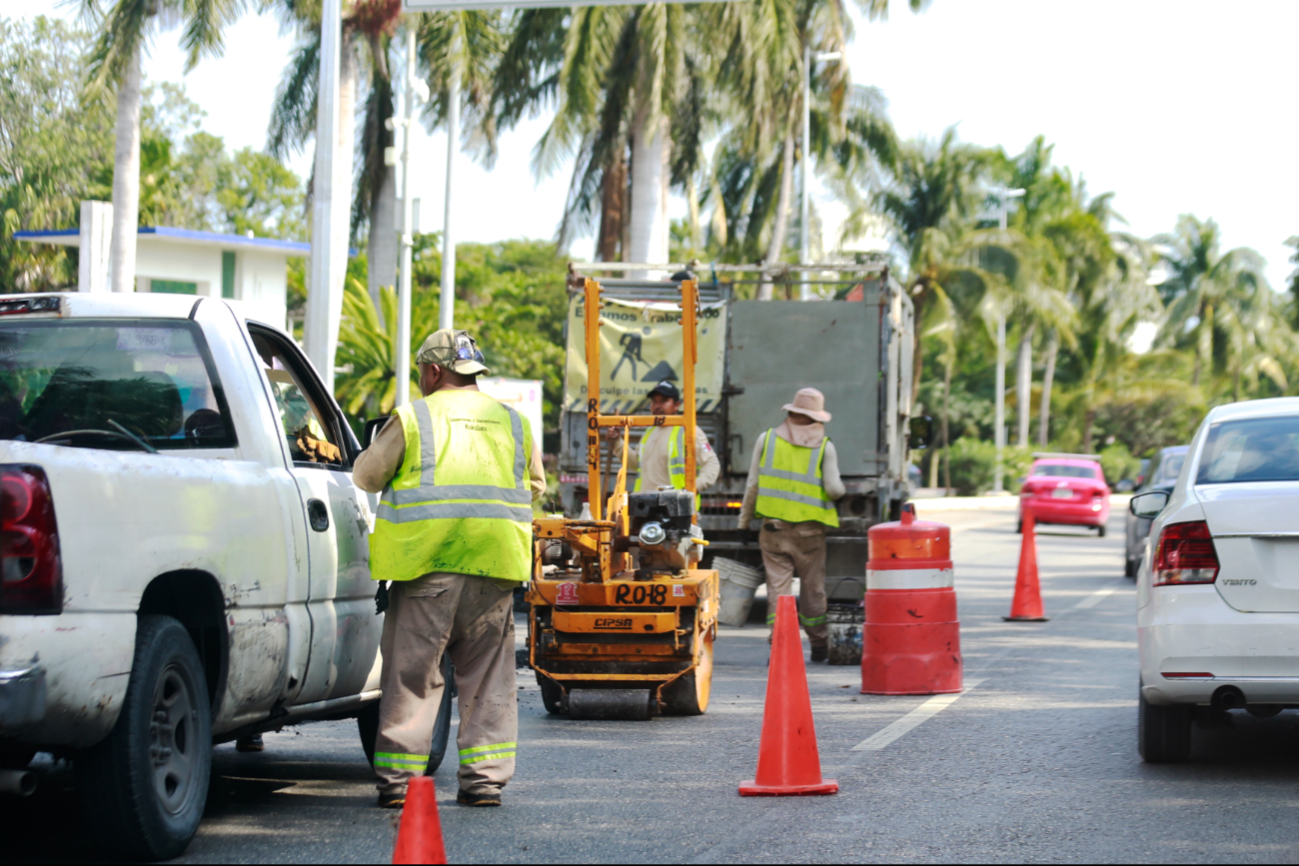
(419,838)
(1027,606)
(788,762)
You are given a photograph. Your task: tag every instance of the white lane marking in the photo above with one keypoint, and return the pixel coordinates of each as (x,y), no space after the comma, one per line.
(1099,595)
(911,720)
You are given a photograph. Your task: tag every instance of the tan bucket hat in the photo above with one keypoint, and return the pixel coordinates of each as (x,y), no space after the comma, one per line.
(455,350)
(809,402)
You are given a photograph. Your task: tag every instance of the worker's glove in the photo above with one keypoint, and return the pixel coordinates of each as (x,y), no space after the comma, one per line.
(381,598)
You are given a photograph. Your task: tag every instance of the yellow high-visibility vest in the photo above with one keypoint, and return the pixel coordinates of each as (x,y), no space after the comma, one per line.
(676,461)
(790,486)
(461,501)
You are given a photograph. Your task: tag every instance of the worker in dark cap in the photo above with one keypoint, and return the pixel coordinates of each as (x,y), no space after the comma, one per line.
(660,460)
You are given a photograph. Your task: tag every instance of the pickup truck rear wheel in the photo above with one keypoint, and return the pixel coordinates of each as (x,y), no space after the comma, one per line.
(367,722)
(143,788)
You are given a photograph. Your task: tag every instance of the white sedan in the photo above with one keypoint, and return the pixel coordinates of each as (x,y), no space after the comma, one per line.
(1218,589)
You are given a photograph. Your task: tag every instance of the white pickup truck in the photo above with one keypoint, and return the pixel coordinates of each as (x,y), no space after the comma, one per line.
(183,556)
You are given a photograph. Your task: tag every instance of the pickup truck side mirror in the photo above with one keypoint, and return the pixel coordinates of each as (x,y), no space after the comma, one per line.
(920,432)
(371,431)
(1148,505)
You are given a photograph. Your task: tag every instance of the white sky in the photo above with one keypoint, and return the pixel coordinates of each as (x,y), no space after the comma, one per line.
(1176,105)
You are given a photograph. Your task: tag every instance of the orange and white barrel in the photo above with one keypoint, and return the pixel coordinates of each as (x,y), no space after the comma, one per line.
(911,640)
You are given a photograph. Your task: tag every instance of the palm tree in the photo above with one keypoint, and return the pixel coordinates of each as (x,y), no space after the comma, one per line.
(1204,288)
(124,30)
(618,76)
(930,199)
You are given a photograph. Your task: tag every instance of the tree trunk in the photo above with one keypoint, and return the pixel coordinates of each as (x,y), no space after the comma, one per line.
(1204,347)
(1048,379)
(613,189)
(919,299)
(692,199)
(382,249)
(947,442)
(126,180)
(1024,384)
(780,227)
(1089,419)
(650,144)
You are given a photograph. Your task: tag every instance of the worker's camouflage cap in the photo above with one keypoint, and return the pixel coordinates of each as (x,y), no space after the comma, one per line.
(455,350)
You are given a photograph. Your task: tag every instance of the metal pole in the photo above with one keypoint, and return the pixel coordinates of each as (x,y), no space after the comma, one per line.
(1000,414)
(805,247)
(401,363)
(320,330)
(446,308)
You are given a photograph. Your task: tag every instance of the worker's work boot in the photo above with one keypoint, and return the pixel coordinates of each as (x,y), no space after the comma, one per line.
(392,800)
(490,798)
(820,653)
(250,744)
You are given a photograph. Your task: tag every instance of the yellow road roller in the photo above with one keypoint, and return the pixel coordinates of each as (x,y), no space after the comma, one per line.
(622,621)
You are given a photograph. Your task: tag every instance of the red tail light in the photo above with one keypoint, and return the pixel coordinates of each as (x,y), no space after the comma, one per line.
(1185,555)
(31,570)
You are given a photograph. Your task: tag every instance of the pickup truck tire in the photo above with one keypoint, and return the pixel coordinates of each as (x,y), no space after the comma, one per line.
(367,722)
(143,788)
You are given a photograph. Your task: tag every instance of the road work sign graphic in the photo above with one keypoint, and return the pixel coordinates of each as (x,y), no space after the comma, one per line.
(640,346)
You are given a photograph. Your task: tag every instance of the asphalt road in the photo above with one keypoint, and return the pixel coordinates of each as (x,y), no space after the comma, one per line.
(1037,762)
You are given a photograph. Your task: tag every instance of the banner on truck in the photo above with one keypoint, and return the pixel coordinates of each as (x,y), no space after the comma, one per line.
(640,346)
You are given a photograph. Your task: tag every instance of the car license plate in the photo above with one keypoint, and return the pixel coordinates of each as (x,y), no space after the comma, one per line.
(1062,493)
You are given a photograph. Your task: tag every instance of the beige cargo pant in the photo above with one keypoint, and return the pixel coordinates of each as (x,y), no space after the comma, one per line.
(790,549)
(472,618)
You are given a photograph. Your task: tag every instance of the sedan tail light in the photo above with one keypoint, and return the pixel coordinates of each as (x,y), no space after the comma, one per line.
(1185,555)
(31,569)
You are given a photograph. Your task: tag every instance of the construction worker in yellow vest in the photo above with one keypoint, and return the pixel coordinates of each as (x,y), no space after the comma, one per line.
(457,472)
(660,461)
(792,487)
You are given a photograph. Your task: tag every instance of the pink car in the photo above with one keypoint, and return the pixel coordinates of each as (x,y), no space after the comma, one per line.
(1066,490)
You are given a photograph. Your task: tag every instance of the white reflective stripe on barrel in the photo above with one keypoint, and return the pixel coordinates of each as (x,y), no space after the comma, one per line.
(909,578)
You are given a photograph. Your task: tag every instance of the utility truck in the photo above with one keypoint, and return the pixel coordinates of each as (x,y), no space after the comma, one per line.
(183,557)
(753,357)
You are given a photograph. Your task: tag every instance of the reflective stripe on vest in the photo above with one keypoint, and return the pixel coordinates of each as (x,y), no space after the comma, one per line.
(787,490)
(459,526)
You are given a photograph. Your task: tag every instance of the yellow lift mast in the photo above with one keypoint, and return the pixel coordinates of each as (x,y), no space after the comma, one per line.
(622,620)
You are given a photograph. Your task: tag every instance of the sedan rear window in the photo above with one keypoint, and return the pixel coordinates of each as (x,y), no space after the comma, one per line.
(1062,470)
(1257,449)
(115,383)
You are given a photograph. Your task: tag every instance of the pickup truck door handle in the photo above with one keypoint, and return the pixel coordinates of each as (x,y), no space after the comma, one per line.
(317,515)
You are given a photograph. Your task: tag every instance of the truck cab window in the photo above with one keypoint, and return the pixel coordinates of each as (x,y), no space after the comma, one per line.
(110,384)
(310,435)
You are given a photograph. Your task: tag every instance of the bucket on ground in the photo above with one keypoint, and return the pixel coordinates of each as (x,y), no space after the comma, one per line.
(738,583)
(911,639)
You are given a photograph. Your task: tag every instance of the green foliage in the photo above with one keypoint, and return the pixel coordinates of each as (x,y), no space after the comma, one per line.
(1118,463)
(973,463)
(56,148)
(511,298)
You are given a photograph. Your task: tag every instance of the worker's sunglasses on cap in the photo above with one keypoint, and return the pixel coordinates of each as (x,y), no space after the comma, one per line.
(466,349)
(464,353)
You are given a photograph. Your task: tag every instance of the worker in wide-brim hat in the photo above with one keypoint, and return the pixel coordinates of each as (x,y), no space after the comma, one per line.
(457,472)
(792,488)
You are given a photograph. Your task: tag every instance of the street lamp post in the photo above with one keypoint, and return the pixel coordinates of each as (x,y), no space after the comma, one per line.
(805,205)
(329,207)
(1004,196)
